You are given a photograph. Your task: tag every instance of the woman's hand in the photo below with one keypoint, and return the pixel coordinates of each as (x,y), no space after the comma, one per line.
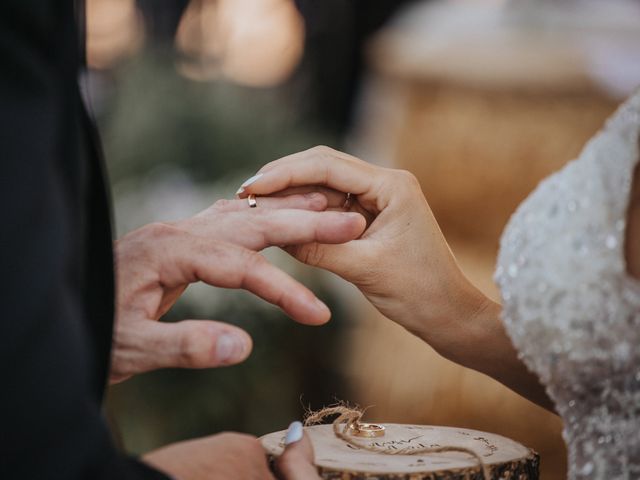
(297,459)
(402,262)
(217,457)
(235,456)
(218,246)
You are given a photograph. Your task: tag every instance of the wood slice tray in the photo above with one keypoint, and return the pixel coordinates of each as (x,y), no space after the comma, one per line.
(336,460)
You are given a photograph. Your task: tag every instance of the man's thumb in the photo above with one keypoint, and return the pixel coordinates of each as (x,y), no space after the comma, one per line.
(194,344)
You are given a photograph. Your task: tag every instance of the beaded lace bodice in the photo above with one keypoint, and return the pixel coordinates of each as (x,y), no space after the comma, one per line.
(570,307)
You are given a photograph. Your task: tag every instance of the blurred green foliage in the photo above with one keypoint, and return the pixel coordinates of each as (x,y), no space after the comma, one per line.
(155,116)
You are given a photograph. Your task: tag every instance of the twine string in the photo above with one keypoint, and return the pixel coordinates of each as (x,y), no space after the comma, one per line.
(349,418)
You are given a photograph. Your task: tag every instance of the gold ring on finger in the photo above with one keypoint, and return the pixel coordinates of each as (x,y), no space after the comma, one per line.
(347,202)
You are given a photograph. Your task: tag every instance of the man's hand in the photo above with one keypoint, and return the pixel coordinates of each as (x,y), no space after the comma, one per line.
(219,246)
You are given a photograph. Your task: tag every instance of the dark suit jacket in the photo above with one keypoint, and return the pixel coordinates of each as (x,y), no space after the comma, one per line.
(55,257)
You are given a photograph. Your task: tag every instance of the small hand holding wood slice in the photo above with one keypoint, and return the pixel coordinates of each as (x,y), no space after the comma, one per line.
(338,460)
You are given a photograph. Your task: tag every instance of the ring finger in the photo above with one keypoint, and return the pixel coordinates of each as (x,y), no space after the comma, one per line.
(315,201)
(336,201)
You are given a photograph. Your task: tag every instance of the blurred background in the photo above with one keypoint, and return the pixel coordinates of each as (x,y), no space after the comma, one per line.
(480,99)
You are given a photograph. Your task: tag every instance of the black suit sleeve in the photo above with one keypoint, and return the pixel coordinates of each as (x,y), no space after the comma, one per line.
(51,423)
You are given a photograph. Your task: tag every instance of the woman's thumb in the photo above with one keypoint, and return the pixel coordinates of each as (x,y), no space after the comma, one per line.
(296,461)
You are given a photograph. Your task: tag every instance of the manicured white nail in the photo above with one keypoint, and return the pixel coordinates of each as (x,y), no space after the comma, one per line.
(250,180)
(229,348)
(294,433)
(240,190)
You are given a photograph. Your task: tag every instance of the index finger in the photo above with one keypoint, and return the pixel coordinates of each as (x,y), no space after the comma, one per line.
(316,166)
(189,258)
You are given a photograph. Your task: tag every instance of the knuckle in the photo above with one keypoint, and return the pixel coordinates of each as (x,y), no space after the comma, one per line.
(323,151)
(282,300)
(159,230)
(222,204)
(315,200)
(252,260)
(250,265)
(142,245)
(311,254)
(406,177)
(256,222)
(195,347)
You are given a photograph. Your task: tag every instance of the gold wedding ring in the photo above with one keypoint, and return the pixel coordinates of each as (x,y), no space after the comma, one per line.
(251,199)
(366,430)
(348,201)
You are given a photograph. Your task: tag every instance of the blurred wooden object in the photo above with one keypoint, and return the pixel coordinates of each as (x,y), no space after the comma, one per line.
(481,103)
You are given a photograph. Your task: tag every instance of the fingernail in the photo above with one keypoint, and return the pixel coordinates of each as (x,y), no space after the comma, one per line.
(229,348)
(250,180)
(321,305)
(294,433)
(240,190)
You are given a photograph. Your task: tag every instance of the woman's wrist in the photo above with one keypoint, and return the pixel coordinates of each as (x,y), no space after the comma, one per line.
(461,323)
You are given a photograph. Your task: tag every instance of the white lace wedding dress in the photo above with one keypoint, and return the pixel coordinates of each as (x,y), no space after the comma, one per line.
(570,307)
